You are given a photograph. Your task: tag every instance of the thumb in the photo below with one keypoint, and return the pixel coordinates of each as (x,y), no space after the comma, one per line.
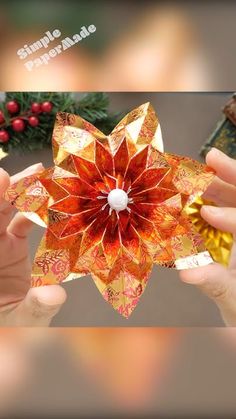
(218,283)
(4,181)
(39,306)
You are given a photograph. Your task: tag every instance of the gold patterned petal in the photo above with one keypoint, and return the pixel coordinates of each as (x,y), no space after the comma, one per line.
(140,127)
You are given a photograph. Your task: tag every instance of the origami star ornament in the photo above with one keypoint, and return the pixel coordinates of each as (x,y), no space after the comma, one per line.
(113,206)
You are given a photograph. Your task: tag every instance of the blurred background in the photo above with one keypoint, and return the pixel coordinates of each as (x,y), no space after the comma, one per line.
(138,45)
(187,119)
(111,373)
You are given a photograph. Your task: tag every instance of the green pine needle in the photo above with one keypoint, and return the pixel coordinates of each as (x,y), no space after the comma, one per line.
(92,106)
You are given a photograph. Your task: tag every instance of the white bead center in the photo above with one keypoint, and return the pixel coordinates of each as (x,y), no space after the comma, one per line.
(118,199)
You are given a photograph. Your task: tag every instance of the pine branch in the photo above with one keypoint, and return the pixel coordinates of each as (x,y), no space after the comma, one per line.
(92,106)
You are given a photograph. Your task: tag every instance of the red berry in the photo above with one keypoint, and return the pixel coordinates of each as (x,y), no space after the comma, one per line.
(12,106)
(33,121)
(2,119)
(4,136)
(46,106)
(18,125)
(36,107)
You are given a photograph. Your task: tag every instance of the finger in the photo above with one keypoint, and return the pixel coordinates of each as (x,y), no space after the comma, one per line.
(221,218)
(35,168)
(4,183)
(217,283)
(5,218)
(232,261)
(210,279)
(224,166)
(5,208)
(222,193)
(20,226)
(39,306)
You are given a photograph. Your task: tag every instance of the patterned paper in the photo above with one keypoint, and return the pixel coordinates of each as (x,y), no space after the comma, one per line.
(2,154)
(85,235)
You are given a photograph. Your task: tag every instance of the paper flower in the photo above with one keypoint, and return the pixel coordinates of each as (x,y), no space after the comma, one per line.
(218,243)
(113,207)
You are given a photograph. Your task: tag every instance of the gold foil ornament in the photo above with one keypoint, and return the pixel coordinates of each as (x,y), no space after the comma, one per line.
(217,242)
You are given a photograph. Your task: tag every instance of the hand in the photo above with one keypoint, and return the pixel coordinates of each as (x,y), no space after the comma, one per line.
(21,305)
(218,282)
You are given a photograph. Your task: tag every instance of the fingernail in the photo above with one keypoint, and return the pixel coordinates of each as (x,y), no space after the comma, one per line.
(3,171)
(216,150)
(213,210)
(32,169)
(36,166)
(213,150)
(191,280)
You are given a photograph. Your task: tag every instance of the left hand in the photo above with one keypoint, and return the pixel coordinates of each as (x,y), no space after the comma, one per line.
(21,305)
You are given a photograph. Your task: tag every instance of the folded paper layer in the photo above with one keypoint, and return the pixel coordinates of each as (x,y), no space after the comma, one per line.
(85,234)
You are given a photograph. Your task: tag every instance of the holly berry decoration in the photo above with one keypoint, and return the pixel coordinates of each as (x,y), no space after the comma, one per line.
(2,118)
(18,125)
(4,136)
(33,121)
(36,107)
(13,106)
(46,107)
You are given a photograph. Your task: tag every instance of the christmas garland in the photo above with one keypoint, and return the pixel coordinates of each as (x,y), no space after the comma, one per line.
(27,118)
